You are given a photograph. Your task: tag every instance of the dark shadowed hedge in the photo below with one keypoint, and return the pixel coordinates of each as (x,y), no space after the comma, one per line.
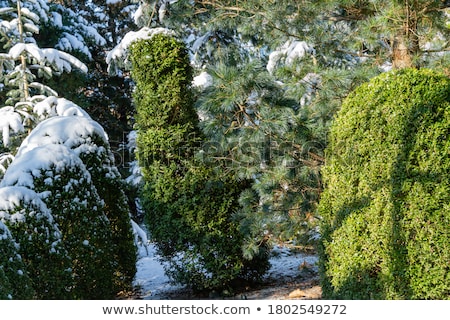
(386,204)
(14,280)
(39,242)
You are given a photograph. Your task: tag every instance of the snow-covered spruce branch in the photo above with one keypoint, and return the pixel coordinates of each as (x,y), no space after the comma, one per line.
(60,61)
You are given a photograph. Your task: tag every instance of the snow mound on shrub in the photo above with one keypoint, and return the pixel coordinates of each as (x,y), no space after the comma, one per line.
(14,197)
(41,159)
(74,132)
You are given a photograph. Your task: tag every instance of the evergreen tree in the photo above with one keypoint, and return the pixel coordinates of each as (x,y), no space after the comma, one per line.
(189,205)
(26,27)
(256,134)
(25,62)
(408,33)
(106,97)
(90,143)
(62,180)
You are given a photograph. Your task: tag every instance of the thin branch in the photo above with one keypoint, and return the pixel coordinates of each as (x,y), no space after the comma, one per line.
(22,56)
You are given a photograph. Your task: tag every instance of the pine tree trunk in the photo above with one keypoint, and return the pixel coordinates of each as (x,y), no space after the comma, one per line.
(23,61)
(401,55)
(405,44)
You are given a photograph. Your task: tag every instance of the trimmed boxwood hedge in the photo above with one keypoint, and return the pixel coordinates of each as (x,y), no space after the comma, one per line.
(62,180)
(89,141)
(386,203)
(40,242)
(14,280)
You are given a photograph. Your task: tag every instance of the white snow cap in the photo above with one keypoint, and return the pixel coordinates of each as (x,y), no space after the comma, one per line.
(119,53)
(5,234)
(63,61)
(53,106)
(72,131)
(31,48)
(9,119)
(59,59)
(203,80)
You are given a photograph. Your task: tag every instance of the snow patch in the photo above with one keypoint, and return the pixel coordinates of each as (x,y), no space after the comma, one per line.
(63,61)
(14,196)
(203,80)
(10,119)
(288,53)
(71,42)
(53,106)
(31,48)
(57,19)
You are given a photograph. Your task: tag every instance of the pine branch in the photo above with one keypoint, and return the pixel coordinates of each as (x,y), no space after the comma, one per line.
(235,11)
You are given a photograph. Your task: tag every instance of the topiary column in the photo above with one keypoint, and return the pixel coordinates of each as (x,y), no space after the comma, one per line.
(189,206)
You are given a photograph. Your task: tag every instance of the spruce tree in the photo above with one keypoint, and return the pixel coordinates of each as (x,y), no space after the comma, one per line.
(189,205)
(23,63)
(99,26)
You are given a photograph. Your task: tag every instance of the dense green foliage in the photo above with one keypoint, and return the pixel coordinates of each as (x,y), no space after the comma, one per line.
(221,190)
(33,227)
(78,211)
(14,281)
(189,205)
(110,188)
(385,207)
(276,84)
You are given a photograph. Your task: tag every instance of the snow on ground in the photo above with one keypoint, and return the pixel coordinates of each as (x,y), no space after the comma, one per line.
(287,263)
(154,284)
(150,277)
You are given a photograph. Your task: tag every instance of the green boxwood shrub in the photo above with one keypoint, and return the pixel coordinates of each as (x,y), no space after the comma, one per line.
(61,179)
(89,141)
(189,206)
(386,203)
(14,280)
(33,227)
